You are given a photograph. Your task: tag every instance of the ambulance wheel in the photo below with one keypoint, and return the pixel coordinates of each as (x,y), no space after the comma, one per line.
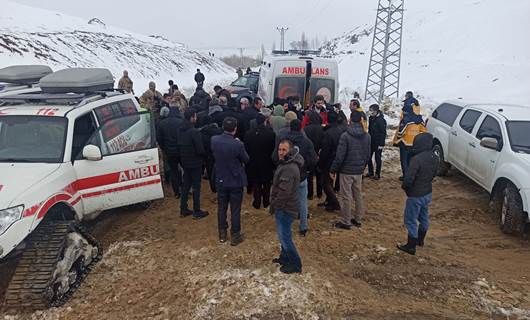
(512,218)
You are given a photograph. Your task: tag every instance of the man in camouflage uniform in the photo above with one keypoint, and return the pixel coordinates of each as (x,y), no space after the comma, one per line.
(126,83)
(151,99)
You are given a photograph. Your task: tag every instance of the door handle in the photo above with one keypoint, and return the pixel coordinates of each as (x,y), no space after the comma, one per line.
(142,160)
(454,133)
(472,144)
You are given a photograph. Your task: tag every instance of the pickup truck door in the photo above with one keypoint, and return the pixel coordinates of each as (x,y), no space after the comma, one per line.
(461,139)
(482,161)
(129,170)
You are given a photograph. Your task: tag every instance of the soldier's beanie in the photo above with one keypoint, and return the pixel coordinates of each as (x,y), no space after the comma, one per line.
(290,116)
(229,124)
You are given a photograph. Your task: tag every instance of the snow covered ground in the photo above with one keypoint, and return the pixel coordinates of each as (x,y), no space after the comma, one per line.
(476,50)
(30,35)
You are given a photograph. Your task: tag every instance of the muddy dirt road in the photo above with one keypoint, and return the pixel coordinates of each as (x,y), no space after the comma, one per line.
(159,266)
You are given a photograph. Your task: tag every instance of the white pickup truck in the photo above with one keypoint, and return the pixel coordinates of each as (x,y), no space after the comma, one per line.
(489,143)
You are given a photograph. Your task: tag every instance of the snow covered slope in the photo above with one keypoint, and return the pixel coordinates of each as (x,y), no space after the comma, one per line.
(30,35)
(472,49)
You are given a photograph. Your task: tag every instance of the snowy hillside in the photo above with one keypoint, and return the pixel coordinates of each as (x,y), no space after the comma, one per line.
(30,35)
(471,49)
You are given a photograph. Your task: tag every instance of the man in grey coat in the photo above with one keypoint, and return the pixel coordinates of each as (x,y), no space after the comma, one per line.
(353,153)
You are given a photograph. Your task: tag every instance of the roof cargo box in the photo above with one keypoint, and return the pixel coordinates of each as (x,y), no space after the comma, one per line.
(24,74)
(77,80)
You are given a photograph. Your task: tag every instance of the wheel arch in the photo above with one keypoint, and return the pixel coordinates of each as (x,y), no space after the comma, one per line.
(60,211)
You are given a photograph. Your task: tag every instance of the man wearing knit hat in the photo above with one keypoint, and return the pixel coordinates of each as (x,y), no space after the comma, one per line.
(353,153)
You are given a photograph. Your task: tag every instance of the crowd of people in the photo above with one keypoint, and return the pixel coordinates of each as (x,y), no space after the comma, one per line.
(285,155)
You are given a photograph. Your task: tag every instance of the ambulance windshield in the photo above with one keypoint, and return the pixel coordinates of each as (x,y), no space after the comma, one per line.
(32,138)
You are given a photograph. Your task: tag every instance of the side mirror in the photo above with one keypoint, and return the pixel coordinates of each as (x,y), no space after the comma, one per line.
(92,153)
(490,143)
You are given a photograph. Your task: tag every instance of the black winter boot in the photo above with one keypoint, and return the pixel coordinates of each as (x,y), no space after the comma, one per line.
(410,247)
(222,235)
(421,237)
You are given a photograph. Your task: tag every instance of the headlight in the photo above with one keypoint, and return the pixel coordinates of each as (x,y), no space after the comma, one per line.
(234,95)
(8,216)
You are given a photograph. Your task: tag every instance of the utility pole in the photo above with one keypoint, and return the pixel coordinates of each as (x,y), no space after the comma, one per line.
(385,57)
(241,56)
(282,33)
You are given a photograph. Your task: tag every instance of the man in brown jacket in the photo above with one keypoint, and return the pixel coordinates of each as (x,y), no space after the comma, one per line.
(126,83)
(151,99)
(285,204)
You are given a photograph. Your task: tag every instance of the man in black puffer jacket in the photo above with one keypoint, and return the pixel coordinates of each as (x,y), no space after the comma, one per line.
(315,133)
(192,155)
(352,156)
(417,184)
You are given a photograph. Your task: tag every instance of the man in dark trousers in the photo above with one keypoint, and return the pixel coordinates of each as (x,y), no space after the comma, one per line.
(417,184)
(284,202)
(192,156)
(199,78)
(168,140)
(315,133)
(230,177)
(330,141)
(377,131)
(353,153)
(260,142)
(307,151)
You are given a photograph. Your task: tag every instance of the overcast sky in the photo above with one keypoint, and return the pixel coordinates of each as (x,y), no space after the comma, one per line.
(230,23)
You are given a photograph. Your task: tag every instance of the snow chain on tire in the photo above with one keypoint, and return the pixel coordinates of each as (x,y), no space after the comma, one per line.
(31,287)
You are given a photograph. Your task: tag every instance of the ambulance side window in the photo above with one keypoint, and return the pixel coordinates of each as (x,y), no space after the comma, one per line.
(127,133)
(84,128)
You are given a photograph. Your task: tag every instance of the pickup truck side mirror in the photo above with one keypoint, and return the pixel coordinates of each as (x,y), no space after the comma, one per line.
(92,153)
(490,143)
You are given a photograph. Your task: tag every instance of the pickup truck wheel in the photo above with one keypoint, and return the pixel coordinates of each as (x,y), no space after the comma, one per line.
(443,167)
(145,205)
(512,218)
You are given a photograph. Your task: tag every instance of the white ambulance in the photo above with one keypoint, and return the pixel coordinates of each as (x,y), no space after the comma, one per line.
(283,74)
(66,154)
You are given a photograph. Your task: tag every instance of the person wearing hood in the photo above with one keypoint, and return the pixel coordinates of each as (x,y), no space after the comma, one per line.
(330,142)
(277,120)
(377,131)
(167,136)
(417,184)
(353,153)
(315,133)
(285,204)
(151,100)
(126,83)
(201,99)
(307,151)
(260,143)
(230,157)
(192,156)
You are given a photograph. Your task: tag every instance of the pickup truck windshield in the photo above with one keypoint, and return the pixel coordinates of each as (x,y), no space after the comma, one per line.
(519,131)
(32,139)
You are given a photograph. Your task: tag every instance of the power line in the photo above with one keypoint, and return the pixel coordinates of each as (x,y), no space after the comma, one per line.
(282,33)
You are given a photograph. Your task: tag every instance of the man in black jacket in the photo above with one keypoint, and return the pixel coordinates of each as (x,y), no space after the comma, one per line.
(417,184)
(377,131)
(168,138)
(192,156)
(307,151)
(353,153)
(330,142)
(200,99)
(259,143)
(315,133)
(199,78)
(231,111)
